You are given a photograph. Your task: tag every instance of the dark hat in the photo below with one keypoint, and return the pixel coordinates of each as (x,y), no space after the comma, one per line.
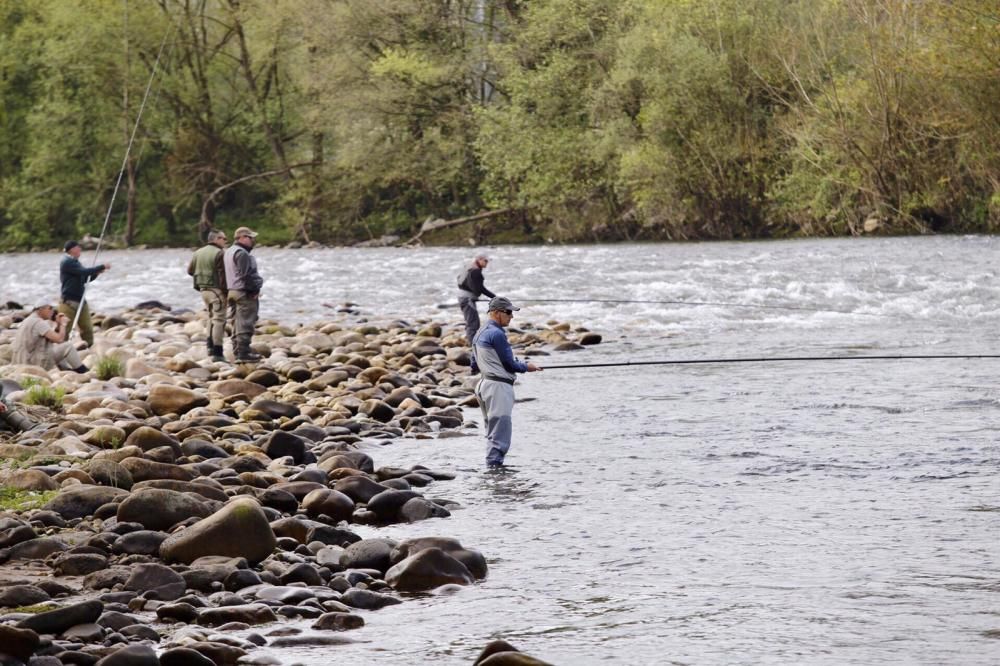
(70,244)
(501,303)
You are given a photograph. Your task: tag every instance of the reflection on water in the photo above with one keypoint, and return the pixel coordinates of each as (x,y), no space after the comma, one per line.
(780,513)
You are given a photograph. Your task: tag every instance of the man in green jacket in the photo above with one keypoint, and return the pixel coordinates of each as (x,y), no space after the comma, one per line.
(210,279)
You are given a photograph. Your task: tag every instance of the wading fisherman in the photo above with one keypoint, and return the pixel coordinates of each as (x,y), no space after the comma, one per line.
(244,283)
(493,357)
(74,277)
(209,275)
(470,288)
(41,340)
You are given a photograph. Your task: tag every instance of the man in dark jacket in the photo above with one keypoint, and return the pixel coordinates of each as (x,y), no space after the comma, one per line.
(209,273)
(470,288)
(244,284)
(74,278)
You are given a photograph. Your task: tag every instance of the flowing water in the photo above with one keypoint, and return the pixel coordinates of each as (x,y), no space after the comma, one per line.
(782,513)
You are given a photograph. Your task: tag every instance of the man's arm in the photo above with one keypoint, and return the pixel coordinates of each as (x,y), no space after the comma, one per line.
(76,268)
(506,354)
(476,282)
(57,334)
(251,279)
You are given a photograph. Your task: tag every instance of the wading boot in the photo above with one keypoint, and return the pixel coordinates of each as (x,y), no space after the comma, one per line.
(217,355)
(17,421)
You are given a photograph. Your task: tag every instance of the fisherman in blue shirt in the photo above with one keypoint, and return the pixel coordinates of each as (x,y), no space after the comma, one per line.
(493,357)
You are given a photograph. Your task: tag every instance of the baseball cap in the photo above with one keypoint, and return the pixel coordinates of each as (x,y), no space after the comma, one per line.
(69,245)
(501,303)
(245,231)
(42,303)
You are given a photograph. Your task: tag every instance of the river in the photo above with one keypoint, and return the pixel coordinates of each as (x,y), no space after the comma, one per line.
(781,513)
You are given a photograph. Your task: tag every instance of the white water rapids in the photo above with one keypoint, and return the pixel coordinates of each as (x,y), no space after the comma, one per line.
(785,513)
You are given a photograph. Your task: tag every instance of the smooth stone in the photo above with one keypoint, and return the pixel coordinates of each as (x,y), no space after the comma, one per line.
(18,643)
(367,600)
(279,444)
(132,655)
(426,570)
(183,656)
(238,529)
(359,488)
(13,596)
(31,480)
(167,399)
(166,583)
(472,559)
(251,614)
(386,504)
(142,469)
(59,620)
(332,503)
(110,473)
(81,501)
(80,564)
(159,509)
(338,622)
(420,508)
(368,554)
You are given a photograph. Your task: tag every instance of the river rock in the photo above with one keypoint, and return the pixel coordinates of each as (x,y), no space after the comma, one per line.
(147,438)
(238,529)
(377,410)
(30,479)
(61,619)
(230,387)
(350,459)
(146,470)
(428,569)
(18,643)
(166,583)
(167,399)
(420,508)
(386,504)
(279,444)
(80,501)
(13,596)
(79,564)
(336,505)
(275,409)
(248,614)
(105,436)
(110,473)
(137,369)
(199,487)
(502,653)
(368,554)
(132,655)
(157,509)
(183,656)
(472,559)
(367,600)
(359,488)
(338,622)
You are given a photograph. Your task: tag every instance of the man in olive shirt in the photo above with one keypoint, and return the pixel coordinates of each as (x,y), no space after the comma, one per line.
(74,278)
(209,275)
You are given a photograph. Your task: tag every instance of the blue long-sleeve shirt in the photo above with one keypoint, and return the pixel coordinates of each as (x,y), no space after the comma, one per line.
(73,276)
(492,355)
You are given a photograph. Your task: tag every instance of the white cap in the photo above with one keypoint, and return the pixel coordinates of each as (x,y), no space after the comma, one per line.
(41,303)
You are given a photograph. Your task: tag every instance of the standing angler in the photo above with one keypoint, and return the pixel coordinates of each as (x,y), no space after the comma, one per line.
(244,283)
(74,278)
(492,355)
(209,275)
(470,288)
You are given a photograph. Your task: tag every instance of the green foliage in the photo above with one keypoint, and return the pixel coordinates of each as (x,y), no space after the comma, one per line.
(340,120)
(14,499)
(46,396)
(108,367)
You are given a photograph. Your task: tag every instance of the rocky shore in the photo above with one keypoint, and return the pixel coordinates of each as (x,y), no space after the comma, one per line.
(153,516)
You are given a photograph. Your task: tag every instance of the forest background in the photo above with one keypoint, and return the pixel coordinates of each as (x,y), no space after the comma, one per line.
(564,120)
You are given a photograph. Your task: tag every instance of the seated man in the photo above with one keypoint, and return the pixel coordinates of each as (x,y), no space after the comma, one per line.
(41,340)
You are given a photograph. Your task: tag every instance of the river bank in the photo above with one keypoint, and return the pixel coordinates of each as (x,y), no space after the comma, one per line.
(191,505)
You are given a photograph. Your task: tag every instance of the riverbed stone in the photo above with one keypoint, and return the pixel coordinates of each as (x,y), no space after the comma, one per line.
(110,473)
(472,559)
(359,488)
(159,509)
(251,614)
(18,643)
(332,503)
(167,399)
(162,581)
(13,596)
(132,655)
(80,501)
(368,554)
(31,480)
(426,570)
(238,529)
(59,620)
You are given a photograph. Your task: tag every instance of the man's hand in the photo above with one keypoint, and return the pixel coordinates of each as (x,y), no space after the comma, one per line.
(533,368)
(107,266)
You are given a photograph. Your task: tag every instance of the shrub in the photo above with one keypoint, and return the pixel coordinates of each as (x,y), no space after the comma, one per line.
(108,367)
(46,396)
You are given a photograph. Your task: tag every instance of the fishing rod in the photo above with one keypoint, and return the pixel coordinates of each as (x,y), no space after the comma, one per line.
(776,359)
(703,303)
(443,306)
(121,172)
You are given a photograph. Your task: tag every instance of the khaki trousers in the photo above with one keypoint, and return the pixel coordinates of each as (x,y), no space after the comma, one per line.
(215,303)
(243,310)
(68,308)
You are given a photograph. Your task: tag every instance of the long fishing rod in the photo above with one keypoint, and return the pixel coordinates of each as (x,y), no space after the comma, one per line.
(121,172)
(776,359)
(708,303)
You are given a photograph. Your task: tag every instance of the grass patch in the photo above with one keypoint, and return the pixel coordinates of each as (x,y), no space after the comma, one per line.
(13,499)
(45,396)
(36,609)
(28,381)
(108,367)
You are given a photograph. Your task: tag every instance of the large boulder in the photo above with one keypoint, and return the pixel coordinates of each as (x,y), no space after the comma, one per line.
(238,529)
(158,509)
(80,501)
(428,569)
(168,399)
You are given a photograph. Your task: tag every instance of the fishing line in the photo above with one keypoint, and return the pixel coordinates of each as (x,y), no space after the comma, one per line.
(776,359)
(121,172)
